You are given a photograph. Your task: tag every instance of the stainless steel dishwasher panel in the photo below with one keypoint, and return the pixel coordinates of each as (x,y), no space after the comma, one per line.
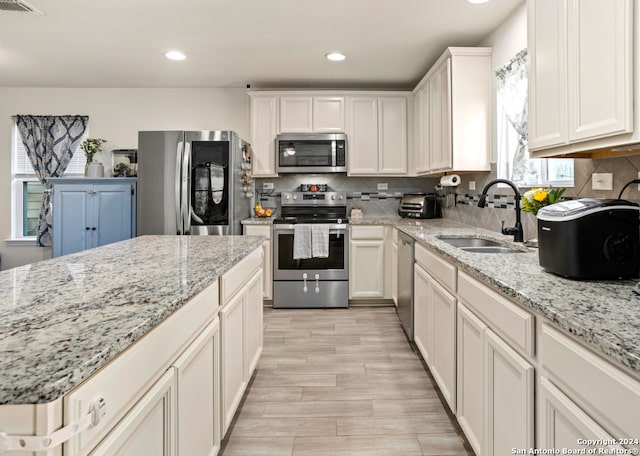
(406,260)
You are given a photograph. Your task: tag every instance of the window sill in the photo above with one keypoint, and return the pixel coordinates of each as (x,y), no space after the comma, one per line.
(21,242)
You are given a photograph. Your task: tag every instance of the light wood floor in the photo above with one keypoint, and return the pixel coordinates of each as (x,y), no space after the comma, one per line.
(340,382)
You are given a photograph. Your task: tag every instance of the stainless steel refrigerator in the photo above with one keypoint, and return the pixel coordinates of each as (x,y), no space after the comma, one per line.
(192,182)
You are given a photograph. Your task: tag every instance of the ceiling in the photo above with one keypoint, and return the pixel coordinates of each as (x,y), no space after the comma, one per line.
(231,43)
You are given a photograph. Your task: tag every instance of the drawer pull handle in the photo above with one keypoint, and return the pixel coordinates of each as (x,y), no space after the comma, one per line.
(28,443)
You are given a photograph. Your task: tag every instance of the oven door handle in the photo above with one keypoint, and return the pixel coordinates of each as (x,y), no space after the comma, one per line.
(289,229)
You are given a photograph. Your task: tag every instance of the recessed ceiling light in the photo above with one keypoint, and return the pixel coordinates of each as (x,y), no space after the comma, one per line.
(336,56)
(477,2)
(175,55)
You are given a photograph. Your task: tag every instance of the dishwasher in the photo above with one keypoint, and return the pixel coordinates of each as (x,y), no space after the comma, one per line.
(406,260)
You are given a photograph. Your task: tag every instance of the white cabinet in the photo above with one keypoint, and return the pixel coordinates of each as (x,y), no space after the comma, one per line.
(328,114)
(232,358)
(393,272)
(198,411)
(307,114)
(267,267)
(453,123)
(435,324)
(241,332)
(264,129)
(422,141)
(470,382)
(509,410)
(441,153)
(581,71)
(562,423)
(422,312)
(296,114)
(150,426)
(376,128)
(367,262)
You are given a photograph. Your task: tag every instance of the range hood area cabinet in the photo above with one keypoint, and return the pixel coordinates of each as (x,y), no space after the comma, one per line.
(581,69)
(375,123)
(453,113)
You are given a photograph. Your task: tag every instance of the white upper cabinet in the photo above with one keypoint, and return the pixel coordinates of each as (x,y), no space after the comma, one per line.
(296,114)
(328,114)
(309,114)
(376,130)
(453,121)
(580,75)
(264,129)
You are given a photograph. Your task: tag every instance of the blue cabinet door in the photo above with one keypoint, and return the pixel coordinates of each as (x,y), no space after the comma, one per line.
(111,211)
(71,227)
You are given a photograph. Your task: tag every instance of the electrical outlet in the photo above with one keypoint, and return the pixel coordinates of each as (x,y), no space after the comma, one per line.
(267,186)
(383,186)
(472,185)
(602,181)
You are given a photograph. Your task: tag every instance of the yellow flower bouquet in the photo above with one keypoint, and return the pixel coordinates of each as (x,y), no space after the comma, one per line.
(537,198)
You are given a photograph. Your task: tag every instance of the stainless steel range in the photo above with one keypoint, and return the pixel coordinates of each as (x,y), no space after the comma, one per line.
(317,281)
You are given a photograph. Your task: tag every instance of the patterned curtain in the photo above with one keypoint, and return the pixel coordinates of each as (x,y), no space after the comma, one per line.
(512,91)
(50,142)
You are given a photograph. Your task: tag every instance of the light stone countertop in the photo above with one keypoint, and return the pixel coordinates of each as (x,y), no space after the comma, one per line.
(65,318)
(605,314)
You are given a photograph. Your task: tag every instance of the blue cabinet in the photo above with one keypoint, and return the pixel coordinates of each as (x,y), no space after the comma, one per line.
(89,213)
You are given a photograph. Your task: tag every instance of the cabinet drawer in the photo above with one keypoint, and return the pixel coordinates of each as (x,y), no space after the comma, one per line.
(606,393)
(504,317)
(367,232)
(238,275)
(440,269)
(258,230)
(126,379)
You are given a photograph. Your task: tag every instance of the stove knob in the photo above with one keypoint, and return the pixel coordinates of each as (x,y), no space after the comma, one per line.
(295,197)
(340,197)
(287,196)
(333,197)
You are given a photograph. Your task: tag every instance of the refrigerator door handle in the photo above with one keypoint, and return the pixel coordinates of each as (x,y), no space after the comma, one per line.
(186,190)
(178,186)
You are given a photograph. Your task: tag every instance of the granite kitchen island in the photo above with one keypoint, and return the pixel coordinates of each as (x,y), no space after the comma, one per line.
(68,321)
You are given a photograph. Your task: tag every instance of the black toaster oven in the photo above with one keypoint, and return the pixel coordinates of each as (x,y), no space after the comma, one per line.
(420,205)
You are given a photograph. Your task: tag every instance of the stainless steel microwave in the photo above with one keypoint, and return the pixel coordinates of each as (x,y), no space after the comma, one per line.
(311,153)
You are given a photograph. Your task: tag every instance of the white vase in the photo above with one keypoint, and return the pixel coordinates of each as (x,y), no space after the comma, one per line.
(95,169)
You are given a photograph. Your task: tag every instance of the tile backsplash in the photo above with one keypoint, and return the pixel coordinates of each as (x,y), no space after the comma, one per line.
(465,210)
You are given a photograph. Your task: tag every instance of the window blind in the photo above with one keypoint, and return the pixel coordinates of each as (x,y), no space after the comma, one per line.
(22,164)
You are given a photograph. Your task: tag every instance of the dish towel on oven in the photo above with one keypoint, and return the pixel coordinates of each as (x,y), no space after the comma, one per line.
(302,241)
(319,240)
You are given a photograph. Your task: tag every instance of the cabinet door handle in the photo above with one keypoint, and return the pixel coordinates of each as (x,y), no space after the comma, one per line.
(87,228)
(93,228)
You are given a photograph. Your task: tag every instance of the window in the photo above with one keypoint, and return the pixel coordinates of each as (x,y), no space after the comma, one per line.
(27,189)
(513,152)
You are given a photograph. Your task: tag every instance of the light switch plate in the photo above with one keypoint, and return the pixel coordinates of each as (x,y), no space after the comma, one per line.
(267,186)
(602,181)
(383,186)
(472,185)
(639,178)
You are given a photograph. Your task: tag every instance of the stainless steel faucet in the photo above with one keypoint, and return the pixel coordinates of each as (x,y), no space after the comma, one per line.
(516,231)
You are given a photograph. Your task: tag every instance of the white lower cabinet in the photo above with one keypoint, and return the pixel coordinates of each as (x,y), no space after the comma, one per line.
(367,262)
(233,358)
(149,428)
(561,423)
(421,311)
(470,382)
(198,412)
(267,267)
(241,339)
(394,269)
(509,407)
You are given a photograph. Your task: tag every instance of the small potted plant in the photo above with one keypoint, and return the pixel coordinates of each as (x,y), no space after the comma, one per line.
(92,146)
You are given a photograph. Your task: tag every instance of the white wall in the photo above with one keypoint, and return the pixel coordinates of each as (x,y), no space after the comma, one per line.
(115,115)
(507,40)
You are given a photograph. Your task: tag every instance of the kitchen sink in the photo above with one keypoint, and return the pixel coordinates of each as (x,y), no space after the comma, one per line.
(478,245)
(490,249)
(464,242)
